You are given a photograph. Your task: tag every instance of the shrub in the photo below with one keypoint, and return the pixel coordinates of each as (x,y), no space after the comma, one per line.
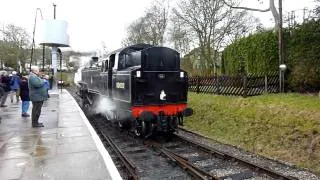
(258,53)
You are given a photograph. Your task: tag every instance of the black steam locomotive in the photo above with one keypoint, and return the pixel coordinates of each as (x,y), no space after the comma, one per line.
(144,86)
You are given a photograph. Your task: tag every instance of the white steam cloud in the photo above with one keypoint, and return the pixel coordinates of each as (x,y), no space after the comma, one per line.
(84,61)
(77,75)
(105,107)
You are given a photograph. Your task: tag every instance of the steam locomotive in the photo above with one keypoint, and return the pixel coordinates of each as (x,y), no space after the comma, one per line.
(143,86)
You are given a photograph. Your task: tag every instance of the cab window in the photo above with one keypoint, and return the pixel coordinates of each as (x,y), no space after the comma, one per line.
(111,61)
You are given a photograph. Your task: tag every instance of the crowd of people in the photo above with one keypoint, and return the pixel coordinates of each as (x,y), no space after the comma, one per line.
(33,87)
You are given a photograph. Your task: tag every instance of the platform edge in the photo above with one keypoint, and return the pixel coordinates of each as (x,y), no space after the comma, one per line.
(113,171)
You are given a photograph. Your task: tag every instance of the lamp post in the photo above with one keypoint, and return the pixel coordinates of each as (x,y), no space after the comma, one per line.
(33,34)
(281,60)
(43,54)
(282,69)
(54,52)
(60,55)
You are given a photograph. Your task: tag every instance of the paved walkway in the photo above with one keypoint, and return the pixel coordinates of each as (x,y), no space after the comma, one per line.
(66,148)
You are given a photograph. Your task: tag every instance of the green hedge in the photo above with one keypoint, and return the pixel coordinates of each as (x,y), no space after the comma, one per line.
(303,57)
(259,53)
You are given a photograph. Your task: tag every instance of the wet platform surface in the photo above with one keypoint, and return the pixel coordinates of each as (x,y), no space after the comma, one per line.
(64,149)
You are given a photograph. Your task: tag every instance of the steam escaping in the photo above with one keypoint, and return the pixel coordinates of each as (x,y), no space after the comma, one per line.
(84,62)
(106,107)
(77,75)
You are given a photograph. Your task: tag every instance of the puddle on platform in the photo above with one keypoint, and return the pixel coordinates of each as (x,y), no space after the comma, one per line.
(40,151)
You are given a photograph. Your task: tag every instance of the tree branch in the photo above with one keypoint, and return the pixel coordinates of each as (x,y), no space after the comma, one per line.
(246,8)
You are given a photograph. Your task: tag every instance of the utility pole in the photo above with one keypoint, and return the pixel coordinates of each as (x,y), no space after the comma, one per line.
(304,14)
(33,34)
(54,53)
(54,11)
(43,53)
(281,73)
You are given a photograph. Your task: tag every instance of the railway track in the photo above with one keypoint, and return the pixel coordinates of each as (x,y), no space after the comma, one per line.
(141,158)
(139,161)
(180,158)
(214,163)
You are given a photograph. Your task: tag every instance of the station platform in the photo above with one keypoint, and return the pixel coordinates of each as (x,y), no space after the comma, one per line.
(66,147)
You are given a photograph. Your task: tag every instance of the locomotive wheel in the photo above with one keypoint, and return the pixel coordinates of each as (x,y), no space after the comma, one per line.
(86,107)
(169,135)
(143,129)
(120,124)
(140,130)
(83,103)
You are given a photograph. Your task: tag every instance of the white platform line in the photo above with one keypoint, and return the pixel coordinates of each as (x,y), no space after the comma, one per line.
(113,171)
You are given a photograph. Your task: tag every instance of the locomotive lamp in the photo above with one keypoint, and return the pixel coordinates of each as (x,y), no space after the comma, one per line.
(161,76)
(138,73)
(181,74)
(163,95)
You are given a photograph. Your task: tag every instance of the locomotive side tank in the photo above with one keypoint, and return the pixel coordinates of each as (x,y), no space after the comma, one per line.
(146,85)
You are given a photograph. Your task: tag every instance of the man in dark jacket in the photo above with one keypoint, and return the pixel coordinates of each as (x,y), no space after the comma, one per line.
(37,93)
(2,86)
(1,90)
(24,95)
(5,80)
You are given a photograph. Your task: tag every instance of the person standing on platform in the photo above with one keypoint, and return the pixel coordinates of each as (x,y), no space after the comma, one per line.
(2,86)
(14,85)
(24,95)
(50,81)
(46,83)
(38,94)
(6,82)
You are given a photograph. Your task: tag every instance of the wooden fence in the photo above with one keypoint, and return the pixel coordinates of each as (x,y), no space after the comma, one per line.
(245,85)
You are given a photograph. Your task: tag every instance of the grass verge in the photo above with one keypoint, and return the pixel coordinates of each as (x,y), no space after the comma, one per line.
(280,126)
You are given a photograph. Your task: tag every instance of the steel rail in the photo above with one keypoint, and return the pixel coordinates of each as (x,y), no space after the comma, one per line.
(252,166)
(131,169)
(182,162)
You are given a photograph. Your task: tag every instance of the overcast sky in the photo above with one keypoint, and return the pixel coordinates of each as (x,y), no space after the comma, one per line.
(92,22)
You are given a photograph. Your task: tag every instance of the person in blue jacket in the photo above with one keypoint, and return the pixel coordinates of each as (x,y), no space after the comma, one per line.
(37,93)
(15,86)
(2,92)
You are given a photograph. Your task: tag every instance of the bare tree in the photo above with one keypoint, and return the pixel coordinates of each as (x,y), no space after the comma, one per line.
(180,35)
(317,9)
(14,44)
(211,21)
(271,8)
(151,27)
(200,16)
(156,21)
(237,25)
(136,33)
